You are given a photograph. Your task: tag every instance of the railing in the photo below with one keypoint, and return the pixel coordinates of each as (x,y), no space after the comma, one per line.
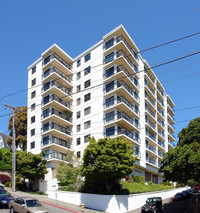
(170,106)
(59,86)
(160,153)
(150,100)
(161,143)
(52,56)
(129,134)
(148,110)
(54,97)
(172,134)
(153,91)
(161,133)
(57,127)
(56,155)
(160,101)
(151,124)
(151,148)
(151,136)
(153,80)
(57,113)
(55,70)
(160,122)
(161,92)
(152,161)
(172,117)
(58,141)
(161,112)
(121,38)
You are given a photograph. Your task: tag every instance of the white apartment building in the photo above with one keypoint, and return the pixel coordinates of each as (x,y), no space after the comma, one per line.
(107,91)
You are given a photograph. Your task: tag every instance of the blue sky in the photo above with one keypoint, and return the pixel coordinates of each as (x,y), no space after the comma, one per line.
(30,27)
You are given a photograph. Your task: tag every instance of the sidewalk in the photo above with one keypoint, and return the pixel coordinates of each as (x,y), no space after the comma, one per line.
(52,202)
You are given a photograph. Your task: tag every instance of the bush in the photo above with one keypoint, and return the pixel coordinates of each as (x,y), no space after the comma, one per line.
(138,179)
(8,184)
(69,187)
(150,183)
(4,178)
(166,183)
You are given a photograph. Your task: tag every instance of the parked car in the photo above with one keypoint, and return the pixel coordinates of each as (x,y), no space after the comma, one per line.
(178,197)
(5,198)
(153,204)
(1,185)
(27,205)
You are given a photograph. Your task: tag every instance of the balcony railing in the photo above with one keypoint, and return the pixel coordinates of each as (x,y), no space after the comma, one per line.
(161,112)
(58,127)
(160,153)
(53,111)
(153,91)
(121,99)
(52,56)
(173,136)
(161,133)
(153,80)
(50,84)
(58,141)
(151,136)
(161,143)
(150,100)
(160,101)
(160,122)
(151,148)
(55,70)
(151,124)
(148,110)
(171,115)
(53,97)
(56,155)
(121,38)
(152,161)
(128,134)
(161,92)
(170,106)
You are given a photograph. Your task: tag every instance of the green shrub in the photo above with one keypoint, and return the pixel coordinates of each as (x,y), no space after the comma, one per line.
(8,184)
(150,183)
(138,179)
(69,187)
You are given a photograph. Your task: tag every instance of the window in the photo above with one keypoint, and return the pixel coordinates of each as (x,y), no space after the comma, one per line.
(78,154)
(78,101)
(46,60)
(109,58)
(110,86)
(33,69)
(78,62)
(87,70)
(87,57)
(78,128)
(32,132)
(78,114)
(45,140)
(86,138)
(110,101)
(33,107)
(110,116)
(109,72)
(46,99)
(87,97)
(78,75)
(33,119)
(109,43)
(87,124)
(33,82)
(33,94)
(87,110)
(110,131)
(87,83)
(78,88)
(78,141)
(33,145)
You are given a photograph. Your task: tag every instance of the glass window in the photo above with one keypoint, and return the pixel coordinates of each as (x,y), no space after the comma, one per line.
(87,83)
(87,57)
(33,94)
(33,82)
(78,75)
(33,107)
(110,101)
(78,62)
(109,58)
(87,110)
(78,101)
(109,72)
(32,132)
(110,116)
(78,114)
(78,88)
(87,97)
(109,43)
(78,128)
(33,69)
(33,145)
(78,141)
(45,140)
(78,154)
(87,70)
(33,119)
(46,99)
(87,124)
(86,138)
(110,86)
(110,131)
(46,60)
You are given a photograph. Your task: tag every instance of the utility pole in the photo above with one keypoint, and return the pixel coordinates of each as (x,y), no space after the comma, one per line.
(13,147)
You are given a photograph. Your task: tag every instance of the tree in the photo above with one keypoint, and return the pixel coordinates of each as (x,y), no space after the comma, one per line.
(106,161)
(68,172)
(20,128)
(191,133)
(182,164)
(5,159)
(32,167)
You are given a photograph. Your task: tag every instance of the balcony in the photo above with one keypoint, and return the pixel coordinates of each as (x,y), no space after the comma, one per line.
(152,137)
(161,123)
(153,126)
(161,133)
(122,104)
(161,102)
(122,89)
(54,155)
(120,72)
(151,148)
(150,112)
(152,92)
(160,154)
(160,91)
(55,61)
(171,136)
(161,144)
(55,74)
(56,88)
(161,113)
(149,76)
(122,119)
(57,116)
(170,109)
(150,100)
(151,161)
(171,118)
(57,102)
(133,137)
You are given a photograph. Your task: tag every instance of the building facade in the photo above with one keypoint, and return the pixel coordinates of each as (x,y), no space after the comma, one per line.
(107,91)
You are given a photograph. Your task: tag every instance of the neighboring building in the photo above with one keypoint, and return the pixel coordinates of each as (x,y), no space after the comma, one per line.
(107,91)
(3,143)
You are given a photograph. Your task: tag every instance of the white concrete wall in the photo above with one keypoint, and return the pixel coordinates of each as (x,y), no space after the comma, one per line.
(110,203)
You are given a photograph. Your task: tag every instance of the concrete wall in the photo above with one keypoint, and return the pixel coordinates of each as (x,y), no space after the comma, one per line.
(109,203)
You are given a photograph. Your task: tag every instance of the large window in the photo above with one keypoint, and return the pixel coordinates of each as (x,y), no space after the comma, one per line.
(87,124)
(110,101)
(32,132)
(109,58)
(110,131)
(110,116)
(33,69)
(109,43)
(87,110)
(110,86)
(109,72)
(87,70)
(87,97)
(33,94)
(87,57)
(87,84)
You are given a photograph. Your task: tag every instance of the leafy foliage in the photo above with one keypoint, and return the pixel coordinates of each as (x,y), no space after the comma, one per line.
(31,166)
(20,128)
(106,161)
(5,159)
(68,173)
